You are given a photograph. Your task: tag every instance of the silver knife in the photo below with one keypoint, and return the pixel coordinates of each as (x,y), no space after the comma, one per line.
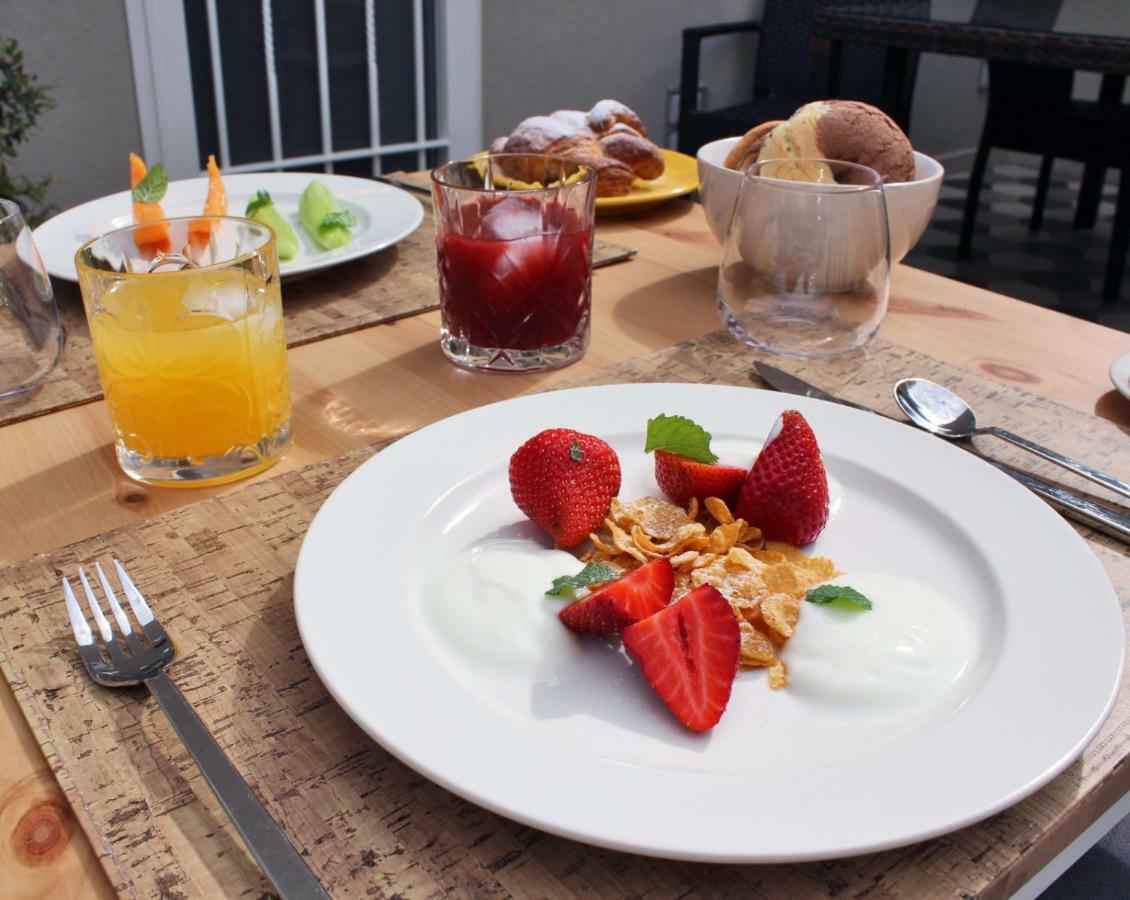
(1064,501)
(787,383)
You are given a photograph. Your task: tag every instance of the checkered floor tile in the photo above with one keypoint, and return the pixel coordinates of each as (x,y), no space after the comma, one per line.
(1059,266)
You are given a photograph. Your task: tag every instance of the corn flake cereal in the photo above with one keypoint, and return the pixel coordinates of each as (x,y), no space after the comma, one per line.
(763,581)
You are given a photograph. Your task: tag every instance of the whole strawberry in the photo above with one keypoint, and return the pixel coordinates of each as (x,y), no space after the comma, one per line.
(786,491)
(564,481)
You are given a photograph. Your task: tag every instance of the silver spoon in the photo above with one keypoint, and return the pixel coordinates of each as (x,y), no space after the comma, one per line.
(940,411)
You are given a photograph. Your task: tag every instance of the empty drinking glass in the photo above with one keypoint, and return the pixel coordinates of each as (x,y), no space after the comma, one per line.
(806,263)
(30,334)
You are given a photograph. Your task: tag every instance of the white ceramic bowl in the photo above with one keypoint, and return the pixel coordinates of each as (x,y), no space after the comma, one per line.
(909,203)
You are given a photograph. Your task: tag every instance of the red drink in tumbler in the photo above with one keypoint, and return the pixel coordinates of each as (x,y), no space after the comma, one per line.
(509,289)
(515,261)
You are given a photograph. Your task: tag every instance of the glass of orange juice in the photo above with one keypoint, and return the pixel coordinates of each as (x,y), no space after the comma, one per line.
(190,348)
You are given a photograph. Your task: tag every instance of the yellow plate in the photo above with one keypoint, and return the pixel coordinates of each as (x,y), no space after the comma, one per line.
(679,178)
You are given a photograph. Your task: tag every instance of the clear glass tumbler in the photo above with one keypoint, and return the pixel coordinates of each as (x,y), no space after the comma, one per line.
(190,348)
(806,263)
(514,248)
(31,337)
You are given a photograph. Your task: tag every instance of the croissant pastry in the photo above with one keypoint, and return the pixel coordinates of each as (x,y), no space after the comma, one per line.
(609,137)
(634,150)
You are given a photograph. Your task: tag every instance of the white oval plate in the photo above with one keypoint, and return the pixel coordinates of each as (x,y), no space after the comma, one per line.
(589,752)
(1120,375)
(385,215)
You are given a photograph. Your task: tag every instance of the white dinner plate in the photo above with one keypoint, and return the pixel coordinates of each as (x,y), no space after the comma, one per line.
(385,215)
(589,752)
(1120,375)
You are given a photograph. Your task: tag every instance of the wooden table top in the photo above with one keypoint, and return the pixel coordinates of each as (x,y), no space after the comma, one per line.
(60,482)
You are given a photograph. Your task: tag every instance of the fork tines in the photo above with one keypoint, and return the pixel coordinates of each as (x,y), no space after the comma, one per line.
(130,660)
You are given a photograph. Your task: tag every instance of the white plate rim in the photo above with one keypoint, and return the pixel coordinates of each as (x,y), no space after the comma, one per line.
(1035,518)
(1120,374)
(404,212)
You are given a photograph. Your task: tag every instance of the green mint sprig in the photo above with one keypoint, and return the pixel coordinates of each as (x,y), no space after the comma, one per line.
(341,219)
(679,435)
(151,188)
(593,573)
(840,595)
(261,199)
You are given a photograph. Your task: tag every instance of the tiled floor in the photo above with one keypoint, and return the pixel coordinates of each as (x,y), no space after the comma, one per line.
(1058,266)
(1102,873)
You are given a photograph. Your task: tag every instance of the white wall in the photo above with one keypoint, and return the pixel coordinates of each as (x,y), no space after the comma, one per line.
(82,51)
(542,55)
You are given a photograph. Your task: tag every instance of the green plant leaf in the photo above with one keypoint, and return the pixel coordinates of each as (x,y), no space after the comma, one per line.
(593,573)
(678,434)
(261,199)
(151,188)
(839,594)
(342,219)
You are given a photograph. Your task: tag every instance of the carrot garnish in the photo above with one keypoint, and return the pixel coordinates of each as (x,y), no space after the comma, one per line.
(216,203)
(148,188)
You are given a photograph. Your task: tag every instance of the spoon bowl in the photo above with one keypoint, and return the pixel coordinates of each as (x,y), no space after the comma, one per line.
(940,411)
(935,409)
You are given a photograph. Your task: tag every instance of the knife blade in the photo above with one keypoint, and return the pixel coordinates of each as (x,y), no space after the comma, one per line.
(788,383)
(1064,501)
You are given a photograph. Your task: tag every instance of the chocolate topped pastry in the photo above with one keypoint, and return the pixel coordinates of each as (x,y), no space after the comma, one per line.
(844,130)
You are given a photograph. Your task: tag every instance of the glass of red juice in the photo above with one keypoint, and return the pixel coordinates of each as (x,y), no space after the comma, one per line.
(514,250)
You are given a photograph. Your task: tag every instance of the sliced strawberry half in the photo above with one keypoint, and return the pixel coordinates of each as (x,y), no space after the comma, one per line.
(689,654)
(629,598)
(681,478)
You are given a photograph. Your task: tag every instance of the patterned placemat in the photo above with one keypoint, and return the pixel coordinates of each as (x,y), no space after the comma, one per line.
(382,287)
(219,574)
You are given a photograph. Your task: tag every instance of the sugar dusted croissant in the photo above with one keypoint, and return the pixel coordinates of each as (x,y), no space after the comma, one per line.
(637,152)
(607,113)
(574,118)
(541,135)
(609,137)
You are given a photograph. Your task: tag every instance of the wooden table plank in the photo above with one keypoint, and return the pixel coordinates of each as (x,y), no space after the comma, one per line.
(59,481)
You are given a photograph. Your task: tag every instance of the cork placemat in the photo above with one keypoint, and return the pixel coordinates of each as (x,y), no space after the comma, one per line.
(382,287)
(219,572)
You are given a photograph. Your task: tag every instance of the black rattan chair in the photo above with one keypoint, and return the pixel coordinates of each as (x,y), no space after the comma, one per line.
(1031,110)
(782,73)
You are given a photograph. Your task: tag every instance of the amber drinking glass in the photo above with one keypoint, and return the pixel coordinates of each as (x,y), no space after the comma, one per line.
(190,350)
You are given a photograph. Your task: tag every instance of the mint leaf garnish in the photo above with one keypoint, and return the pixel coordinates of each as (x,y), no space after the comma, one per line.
(593,573)
(342,219)
(261,199)
(152,187)
(841,595)
(678,434)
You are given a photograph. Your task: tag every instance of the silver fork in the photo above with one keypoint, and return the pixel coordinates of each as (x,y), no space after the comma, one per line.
(140,656)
